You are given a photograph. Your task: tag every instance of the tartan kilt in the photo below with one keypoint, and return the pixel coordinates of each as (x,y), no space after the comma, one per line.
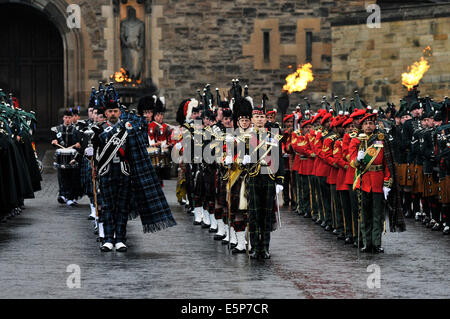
(430,185)
(418,179)
(86,177)
(235,196)
(410,170)
(209,180)
(261,200)
(443,190)
(199,188)
(401,173)
(221,194)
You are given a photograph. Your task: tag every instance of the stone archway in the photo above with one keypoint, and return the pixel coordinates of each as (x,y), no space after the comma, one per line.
(44,60)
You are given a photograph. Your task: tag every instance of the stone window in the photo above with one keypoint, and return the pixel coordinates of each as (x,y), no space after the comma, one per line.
(308,46)
(266,46)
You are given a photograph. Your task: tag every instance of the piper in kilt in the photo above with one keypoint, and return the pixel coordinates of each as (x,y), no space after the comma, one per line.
(124,167)
(221,195)
(238,174)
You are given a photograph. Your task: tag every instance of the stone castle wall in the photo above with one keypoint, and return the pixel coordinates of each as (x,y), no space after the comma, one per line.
(372,60)
(216,41)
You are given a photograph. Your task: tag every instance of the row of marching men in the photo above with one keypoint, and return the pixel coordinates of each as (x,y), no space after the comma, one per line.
(230,171)
(351,164)
(106,158)
(20,169)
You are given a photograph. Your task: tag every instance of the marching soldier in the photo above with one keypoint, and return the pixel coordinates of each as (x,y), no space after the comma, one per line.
(373,178)
(209,173)
(160,137)
(263,188)
(124,167)
(238,175)
(305,180)
(289,191)
(221,195)
(430,178)
(440,137)
(67,137)
(409,127)
(324,152)
(339,165)
(293,170)
(19,171)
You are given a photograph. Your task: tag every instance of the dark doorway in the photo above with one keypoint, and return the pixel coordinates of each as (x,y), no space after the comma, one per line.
(32,63)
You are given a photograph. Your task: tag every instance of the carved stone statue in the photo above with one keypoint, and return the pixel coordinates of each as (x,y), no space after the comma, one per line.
(132,42)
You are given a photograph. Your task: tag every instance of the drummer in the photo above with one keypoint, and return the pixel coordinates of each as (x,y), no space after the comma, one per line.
(160,137)
(66,136)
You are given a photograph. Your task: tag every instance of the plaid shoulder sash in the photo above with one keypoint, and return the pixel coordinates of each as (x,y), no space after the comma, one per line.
(110,149)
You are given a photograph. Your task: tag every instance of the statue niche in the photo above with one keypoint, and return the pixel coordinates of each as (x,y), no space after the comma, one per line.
(132,43)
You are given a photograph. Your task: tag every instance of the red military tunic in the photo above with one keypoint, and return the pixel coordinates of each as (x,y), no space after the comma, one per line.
(371,181)
(296,138)
(350,174)
(342,165)
(316,146)
(286,149)
(159,133)
(306,151)
(325,154)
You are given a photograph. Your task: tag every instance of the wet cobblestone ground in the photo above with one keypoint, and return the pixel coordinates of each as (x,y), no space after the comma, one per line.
(185,262)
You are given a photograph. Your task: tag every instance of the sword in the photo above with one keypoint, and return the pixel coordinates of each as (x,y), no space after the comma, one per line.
(229,207)
(278,210)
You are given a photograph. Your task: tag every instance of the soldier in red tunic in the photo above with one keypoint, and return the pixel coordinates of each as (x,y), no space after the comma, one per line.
(160,137)
(372,176)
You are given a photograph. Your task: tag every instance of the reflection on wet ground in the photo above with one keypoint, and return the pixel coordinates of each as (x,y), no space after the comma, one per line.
(185,262)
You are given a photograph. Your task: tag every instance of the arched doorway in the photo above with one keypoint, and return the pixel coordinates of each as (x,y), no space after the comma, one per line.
(32,62)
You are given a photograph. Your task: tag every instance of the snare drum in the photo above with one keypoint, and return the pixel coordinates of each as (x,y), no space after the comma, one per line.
(153,152)
(164,159)
(63,157)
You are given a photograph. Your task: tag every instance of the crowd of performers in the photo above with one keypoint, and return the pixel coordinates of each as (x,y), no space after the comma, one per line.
(20,169)
(345,166)
(404,156)
(106,157)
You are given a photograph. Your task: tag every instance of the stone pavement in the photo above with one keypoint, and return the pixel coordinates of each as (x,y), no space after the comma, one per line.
(184,262)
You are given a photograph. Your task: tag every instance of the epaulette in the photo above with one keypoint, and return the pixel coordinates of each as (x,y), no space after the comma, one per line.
(54,129)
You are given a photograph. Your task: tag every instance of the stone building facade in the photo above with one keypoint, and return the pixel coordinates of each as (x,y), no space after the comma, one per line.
(372,60)
(189,43)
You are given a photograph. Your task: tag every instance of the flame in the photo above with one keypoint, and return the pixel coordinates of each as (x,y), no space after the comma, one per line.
(121,76)
(298,81)
(416,71)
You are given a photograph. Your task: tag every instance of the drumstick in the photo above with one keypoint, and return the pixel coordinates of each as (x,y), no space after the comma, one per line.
(65,147)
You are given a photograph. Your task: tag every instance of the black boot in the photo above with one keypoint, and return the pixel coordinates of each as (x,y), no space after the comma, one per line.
(348,241)
(253,254)
(366,249)
(238,251)
(378,250)
(437,226)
